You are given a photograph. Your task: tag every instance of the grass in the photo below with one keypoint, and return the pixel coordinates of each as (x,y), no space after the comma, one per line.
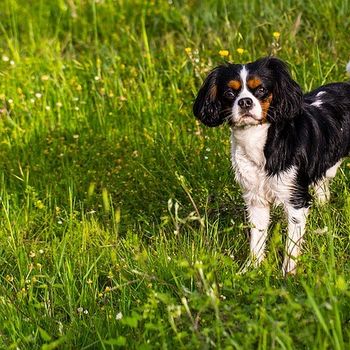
(121,225)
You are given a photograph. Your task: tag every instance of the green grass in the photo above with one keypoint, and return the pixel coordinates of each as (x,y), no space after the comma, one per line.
(120,222)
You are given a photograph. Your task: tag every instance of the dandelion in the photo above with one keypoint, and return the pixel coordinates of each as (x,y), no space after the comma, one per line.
(224,53)
(32,254)
(59,104)
(76,108)
(45,77)
(76,136)
(41,251)
(118,316)
(5,58)
(276,35)
(97,78)
(188,50)
(38,95)
(240,50)
(47,108)
(10,101)
(79,88)
(32,100)
(107,289)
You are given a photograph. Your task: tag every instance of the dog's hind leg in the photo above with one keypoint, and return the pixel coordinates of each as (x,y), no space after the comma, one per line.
(322,186)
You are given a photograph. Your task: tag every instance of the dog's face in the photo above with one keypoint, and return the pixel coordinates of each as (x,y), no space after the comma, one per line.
(248,94)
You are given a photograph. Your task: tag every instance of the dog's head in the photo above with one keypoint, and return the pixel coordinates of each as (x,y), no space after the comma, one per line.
(251,94)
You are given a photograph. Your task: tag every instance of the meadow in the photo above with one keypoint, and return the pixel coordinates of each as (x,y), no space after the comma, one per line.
(121,225)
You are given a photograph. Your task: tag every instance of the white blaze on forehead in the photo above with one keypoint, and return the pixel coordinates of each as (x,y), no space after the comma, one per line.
(245,92)
(256,110)
(243,75)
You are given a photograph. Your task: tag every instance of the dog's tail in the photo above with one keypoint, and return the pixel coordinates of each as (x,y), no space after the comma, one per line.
(348,68)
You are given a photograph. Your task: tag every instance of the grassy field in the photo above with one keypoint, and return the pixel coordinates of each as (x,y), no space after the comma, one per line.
(120,222)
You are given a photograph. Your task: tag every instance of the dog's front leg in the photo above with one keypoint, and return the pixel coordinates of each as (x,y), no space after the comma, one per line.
(259,217)
(296,230)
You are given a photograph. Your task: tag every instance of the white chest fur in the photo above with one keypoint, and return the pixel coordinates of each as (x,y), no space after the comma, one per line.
(248,160)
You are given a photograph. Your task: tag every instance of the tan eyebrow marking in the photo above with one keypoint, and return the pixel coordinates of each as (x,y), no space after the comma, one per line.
(254,82)
(234,84)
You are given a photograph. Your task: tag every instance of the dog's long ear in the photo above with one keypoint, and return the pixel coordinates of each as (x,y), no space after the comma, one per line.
(207,107)
(286,95)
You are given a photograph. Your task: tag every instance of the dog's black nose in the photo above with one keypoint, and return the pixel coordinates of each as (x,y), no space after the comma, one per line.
(245,103)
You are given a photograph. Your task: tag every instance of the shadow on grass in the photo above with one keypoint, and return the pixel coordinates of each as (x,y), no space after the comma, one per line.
(138,178)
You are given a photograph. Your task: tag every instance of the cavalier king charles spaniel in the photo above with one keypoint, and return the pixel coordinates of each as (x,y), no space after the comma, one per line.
(283,142)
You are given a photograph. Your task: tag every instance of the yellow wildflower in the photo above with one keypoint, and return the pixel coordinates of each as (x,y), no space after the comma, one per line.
(240,50)
(276,35)
(224,53)
(188,50)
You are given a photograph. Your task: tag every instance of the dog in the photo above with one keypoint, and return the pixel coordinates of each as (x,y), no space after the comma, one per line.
(283,142)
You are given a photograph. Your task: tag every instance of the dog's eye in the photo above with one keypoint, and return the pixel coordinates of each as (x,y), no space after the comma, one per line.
(261,90)
(229,94)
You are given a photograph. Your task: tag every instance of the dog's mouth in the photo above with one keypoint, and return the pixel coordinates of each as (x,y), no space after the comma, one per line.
(244,119)
(247,119)
(247,116)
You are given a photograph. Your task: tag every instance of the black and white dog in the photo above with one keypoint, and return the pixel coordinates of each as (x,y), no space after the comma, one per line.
(283,142)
